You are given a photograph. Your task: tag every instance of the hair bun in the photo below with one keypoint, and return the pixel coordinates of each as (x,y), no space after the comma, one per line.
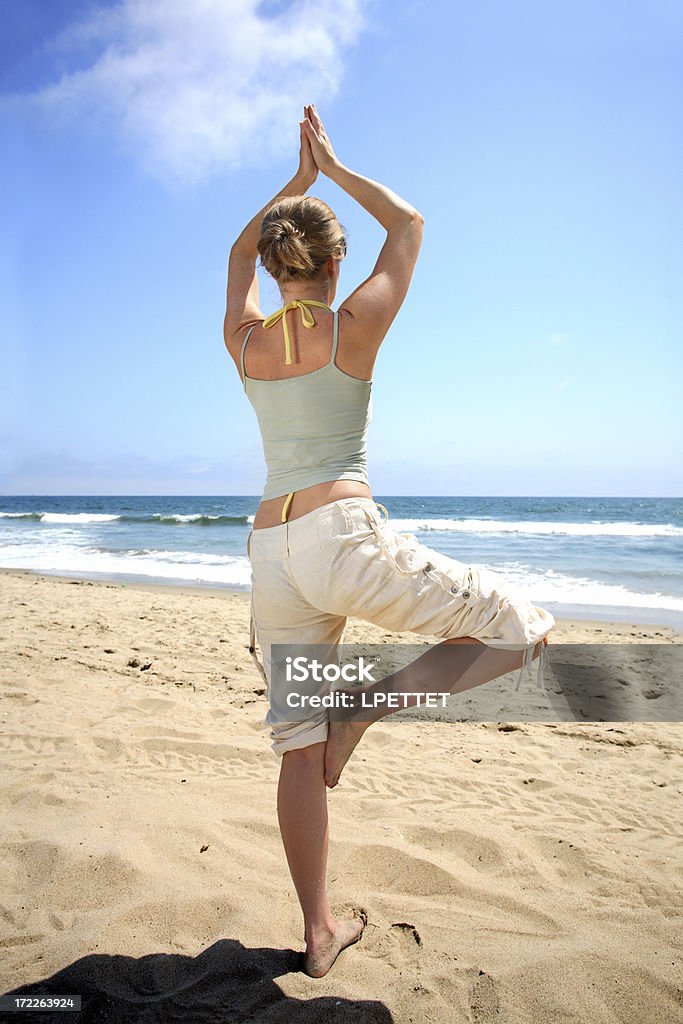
(285,230)
(298,235)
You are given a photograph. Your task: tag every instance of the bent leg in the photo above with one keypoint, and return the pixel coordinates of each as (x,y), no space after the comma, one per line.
(391,579)
(449,667)
(372,572)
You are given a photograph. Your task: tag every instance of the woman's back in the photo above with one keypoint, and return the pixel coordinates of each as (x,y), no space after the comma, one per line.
(310,346)
(313,423)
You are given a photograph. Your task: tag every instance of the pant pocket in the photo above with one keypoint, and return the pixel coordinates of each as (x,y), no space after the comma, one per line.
(402,550)
(332,523)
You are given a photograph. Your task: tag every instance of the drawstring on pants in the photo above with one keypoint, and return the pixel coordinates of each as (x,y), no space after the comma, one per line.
(526,664)
(252,626)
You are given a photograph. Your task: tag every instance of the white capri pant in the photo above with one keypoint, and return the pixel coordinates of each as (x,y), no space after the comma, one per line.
(343,559)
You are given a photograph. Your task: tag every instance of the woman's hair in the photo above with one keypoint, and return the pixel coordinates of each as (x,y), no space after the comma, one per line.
(298,236)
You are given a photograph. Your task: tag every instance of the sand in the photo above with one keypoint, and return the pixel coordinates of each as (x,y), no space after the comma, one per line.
(510,871)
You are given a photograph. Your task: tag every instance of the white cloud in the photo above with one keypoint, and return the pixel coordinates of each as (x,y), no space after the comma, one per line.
(193,88)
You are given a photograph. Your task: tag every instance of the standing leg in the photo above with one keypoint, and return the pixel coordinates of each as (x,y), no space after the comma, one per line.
(302,814)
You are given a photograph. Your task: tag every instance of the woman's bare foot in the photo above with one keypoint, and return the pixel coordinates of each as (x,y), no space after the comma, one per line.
(342,738)
(321,953)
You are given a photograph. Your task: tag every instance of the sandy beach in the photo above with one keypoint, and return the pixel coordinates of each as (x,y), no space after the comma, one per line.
(520,873)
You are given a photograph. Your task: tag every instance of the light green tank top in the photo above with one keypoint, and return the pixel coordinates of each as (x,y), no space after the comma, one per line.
(314,427)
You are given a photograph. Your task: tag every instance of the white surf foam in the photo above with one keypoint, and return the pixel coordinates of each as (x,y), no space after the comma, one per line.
(231,570)
(500,526)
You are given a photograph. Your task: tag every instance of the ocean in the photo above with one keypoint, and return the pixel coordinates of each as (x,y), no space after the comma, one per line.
(600,558)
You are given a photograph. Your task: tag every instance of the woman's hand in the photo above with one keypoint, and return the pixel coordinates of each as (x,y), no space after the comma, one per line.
(321,147)
(308,168)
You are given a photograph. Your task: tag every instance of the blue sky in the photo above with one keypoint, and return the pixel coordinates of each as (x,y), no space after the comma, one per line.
(539,349)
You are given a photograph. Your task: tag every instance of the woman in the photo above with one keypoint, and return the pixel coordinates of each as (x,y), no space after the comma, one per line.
(320,550)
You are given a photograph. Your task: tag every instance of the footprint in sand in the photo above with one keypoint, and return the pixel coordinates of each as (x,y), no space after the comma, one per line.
(483,999)
(410,937)
(396,943)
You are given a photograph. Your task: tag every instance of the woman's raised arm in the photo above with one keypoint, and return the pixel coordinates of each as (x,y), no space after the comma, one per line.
(242,300)
(376,301)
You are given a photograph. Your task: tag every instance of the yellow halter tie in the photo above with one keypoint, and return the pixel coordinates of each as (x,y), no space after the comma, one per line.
(306,317)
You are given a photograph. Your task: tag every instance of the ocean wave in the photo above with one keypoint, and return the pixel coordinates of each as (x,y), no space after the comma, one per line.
(74,518)
(191,566)
(563,589)
(197,518)
(62,517)
(77,517)
(529,527)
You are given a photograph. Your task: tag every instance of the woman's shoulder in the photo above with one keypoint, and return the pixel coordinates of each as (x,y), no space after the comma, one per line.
(356,350)
(235,337)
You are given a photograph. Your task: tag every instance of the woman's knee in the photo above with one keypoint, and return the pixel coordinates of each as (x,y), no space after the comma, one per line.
(312,754)
(300,738)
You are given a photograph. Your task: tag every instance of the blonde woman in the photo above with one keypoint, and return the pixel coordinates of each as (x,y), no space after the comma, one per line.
(320,548)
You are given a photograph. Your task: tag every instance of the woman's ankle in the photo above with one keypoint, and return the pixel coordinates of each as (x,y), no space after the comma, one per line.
(321,930)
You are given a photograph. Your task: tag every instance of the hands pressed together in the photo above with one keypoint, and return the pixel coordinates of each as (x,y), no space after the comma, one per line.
(316,152)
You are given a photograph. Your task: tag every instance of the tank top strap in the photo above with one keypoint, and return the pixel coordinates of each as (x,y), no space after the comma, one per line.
(335,336)
(244,345)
